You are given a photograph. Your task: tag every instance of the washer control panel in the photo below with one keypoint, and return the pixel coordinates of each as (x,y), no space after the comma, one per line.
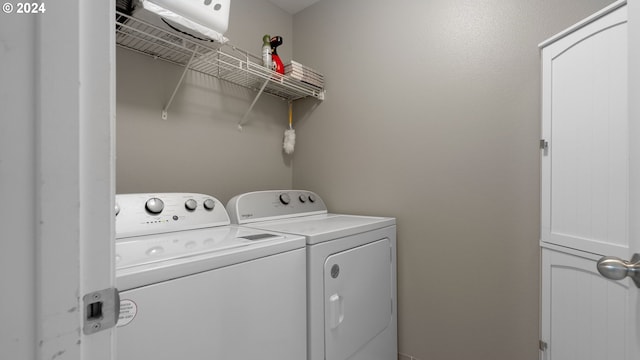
(146,214)
(274,204)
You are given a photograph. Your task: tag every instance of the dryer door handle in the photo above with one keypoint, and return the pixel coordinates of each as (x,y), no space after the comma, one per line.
(336,308)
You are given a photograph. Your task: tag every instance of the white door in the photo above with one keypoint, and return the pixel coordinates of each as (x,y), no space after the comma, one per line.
(584,315)
(591,186)
(585,166)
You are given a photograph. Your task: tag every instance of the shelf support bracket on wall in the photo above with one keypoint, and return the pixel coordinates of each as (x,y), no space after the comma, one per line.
(246,114)
(186,67)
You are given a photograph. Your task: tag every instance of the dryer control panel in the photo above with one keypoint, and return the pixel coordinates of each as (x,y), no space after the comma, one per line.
(274,204)
(154,213)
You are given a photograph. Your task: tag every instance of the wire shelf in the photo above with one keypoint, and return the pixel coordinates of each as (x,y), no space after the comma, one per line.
(222,61)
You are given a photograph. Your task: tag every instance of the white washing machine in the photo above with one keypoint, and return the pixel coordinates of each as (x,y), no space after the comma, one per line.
(351,272)
(194,287)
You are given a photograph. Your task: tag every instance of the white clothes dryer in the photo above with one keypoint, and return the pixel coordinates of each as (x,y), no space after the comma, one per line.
(194,287)
(351,272)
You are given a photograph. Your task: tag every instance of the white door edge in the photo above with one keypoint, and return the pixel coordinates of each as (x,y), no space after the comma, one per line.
(633,352)
(74,185)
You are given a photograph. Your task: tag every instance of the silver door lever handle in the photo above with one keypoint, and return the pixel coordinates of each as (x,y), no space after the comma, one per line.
(617,269)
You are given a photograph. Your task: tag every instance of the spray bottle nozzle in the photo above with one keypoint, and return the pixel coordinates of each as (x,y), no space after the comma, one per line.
(276,41)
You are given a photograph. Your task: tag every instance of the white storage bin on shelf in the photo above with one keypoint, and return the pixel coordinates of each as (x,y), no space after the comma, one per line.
(223,61)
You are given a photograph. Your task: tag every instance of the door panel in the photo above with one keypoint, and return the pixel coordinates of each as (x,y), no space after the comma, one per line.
(586,123)
(584,315)
(358,295)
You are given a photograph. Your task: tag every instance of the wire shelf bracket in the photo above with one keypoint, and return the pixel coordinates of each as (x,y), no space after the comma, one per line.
(246,114)
(186,68)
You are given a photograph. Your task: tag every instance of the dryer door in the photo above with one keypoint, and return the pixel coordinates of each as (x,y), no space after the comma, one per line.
(357,285)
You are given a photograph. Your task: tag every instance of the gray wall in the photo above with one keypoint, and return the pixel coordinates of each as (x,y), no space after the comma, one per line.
(432,115)
(199,148)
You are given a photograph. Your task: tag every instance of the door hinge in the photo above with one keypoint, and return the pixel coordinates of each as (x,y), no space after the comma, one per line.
(101,310)
(542,345)
(544,144)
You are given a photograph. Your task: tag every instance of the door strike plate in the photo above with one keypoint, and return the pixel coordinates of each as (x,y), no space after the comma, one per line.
(101,310)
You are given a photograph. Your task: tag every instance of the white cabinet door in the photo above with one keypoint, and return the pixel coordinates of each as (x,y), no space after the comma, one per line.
(591,186)
(585,166)
(583,314)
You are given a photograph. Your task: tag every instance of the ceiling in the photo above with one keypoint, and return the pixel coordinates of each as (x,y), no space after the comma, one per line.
(293,6)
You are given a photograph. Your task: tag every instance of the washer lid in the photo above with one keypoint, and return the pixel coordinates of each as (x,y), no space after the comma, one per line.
(148,259)
(320,228)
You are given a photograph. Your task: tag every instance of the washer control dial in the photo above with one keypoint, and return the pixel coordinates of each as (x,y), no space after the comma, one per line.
(312,198)
(302,198)
(117,209)
(190,204)
(285,199)
(209,204)
(154,205)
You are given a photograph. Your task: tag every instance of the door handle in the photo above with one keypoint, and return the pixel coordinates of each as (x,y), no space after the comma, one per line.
(617,269)
(337,310)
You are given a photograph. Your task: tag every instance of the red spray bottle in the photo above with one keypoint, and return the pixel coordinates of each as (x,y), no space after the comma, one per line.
(278,66)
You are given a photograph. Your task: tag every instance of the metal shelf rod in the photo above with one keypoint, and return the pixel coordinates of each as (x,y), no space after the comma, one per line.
(246,114)
(186,68)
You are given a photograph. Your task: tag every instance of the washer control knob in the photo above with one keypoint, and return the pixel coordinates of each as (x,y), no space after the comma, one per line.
(190,204)
(302,198)
(117,209)
(312,198)
(285,199)
(154,205)
(209,204)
